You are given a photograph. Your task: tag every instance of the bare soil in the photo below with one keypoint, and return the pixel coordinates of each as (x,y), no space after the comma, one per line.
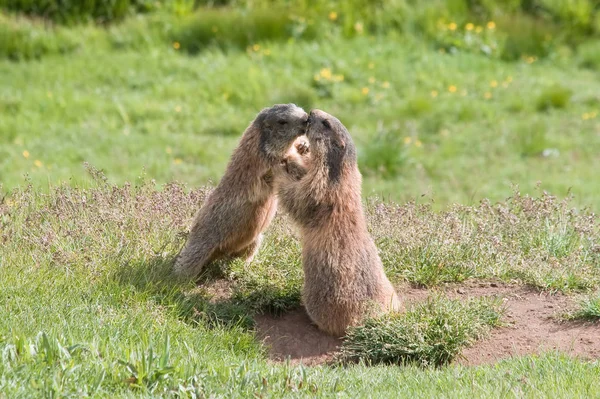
(533,324)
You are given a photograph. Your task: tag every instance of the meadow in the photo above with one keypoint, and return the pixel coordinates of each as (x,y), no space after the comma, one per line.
(478,132)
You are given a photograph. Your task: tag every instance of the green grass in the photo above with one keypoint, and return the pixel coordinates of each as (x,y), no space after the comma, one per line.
(431,333)
(589,309)
(124,99)
(90,308)
(440,113)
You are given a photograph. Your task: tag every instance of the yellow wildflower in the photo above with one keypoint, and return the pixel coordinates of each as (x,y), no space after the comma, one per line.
(326,73)
(494,83)
(469,26)
(487,95)
(452,89)
(256,47)
(333,16)
(266,52)
(452,26)
(177,161)
(176,45)
(491,25)
(338,78)
(407,140)
(178,108)
(418,143)
(385,84)
(585,116)
(530,60)
(26,154)
(371,80)
(365,91)
(358,27)
(593,114)
(38,163)
(434,93)
(371,65)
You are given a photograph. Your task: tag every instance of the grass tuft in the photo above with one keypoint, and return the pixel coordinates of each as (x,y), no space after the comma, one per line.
(589,55)
(24,39)
(556,96)
(431,333)
(589,309)
(385,153)
(231,27)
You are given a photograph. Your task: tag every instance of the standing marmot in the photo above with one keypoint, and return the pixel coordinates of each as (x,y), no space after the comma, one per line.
(344,276)
(230,222)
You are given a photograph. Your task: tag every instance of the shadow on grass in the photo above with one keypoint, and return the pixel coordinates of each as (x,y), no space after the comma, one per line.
(192,303)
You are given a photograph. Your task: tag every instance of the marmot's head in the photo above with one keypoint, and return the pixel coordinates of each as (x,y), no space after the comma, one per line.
(330,139)
(279,126)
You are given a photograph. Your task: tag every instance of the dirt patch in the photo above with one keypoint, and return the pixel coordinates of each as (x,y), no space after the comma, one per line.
(532,325)
(294,336)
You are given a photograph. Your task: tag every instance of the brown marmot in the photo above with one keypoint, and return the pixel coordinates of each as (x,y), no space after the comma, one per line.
(231,220)
(344,276)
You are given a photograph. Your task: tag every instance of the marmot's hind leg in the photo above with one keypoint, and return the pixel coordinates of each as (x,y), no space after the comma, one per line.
(193,258)
(247,253)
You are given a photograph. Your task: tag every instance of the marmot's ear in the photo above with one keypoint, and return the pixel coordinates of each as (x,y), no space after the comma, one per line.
(338,140)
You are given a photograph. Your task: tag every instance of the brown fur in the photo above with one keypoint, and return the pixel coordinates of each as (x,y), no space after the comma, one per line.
(230,222)
(344,276)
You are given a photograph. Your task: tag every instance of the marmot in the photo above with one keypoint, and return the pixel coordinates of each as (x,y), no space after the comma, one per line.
(344,276)
(231,220)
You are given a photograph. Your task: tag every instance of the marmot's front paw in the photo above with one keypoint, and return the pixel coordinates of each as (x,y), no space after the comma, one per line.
(302,147)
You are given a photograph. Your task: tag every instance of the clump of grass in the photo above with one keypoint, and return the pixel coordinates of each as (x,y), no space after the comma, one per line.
(556,96)
(23,39)
(589,309)
(417,106)
(230,27)
(385,153)
(526,36)
(589,55)
(431,333)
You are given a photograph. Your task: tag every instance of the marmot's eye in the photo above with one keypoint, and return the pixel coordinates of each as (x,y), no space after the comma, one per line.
(326,123)
(282,122)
